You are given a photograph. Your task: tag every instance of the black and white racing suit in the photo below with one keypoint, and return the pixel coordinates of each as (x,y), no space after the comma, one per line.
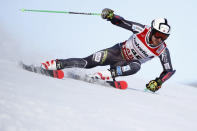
(126,57)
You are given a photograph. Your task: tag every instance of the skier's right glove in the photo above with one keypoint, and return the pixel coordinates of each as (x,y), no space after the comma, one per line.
(107,14)
(154,85)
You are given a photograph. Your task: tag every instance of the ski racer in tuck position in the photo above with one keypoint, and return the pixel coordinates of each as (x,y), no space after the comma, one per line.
(125,58)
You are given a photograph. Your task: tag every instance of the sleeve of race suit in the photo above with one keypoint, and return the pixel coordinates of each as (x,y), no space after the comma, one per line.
(129,25)
(167,66)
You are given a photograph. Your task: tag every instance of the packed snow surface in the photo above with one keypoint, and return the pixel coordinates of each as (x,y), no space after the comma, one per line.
(32,102)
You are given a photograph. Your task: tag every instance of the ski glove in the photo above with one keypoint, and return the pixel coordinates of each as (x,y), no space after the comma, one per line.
(154,85)
(107,14)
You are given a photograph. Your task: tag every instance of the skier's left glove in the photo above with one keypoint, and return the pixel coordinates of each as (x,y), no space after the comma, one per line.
(154,85)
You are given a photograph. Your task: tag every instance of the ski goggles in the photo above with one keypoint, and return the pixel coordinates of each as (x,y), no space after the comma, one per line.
(158,35)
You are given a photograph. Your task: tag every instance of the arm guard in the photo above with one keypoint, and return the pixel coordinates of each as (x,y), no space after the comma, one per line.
(129,25)
(165,75)
(167,66)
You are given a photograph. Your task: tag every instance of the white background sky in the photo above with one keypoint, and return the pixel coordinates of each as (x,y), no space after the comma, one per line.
(79,36)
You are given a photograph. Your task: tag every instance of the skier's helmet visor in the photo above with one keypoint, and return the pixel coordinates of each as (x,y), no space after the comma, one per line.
(157,34)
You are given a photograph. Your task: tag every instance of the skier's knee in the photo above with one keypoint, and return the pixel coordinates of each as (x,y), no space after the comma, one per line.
(100,57)
(96,59)
(135,67)
(128,69)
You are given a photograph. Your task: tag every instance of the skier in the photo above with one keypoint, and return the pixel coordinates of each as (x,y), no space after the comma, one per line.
(125,58)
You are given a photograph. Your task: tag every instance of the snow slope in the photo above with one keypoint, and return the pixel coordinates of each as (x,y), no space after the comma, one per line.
(31,102)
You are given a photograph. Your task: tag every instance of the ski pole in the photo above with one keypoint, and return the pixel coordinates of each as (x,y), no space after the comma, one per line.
(64,12)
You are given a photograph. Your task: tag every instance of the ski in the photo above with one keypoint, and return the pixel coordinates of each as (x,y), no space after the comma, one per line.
(59,74)
(118,84)
(84,77)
